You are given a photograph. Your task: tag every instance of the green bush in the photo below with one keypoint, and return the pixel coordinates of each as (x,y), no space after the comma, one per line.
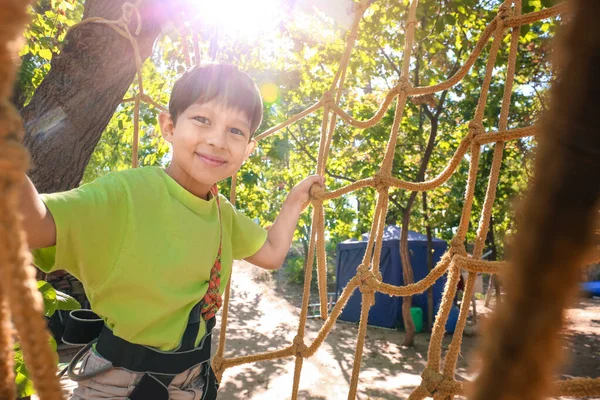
(294,272)
(53,300)
(295,269)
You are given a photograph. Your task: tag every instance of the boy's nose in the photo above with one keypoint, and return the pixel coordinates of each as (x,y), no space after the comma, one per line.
(217,138)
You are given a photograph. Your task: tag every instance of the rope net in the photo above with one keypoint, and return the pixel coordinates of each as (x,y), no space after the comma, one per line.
(438,377)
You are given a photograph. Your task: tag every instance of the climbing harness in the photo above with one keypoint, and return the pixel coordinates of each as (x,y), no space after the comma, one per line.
(159,367)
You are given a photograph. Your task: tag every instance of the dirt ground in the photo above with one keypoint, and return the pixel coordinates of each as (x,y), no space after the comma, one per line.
(264,315)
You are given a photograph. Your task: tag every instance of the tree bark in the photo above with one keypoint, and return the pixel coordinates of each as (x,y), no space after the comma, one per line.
(429,261)
(494,282)
(17,98)
(87,81)
(407,271)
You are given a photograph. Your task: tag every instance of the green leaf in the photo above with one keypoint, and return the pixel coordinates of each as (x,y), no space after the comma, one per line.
(439,26)
(458,42)
(24,384)
(18,357)
(65,5)
(53,344)
(66,302)
(49,296)
(46,54)
(450,19)
(545,27)
(24,50)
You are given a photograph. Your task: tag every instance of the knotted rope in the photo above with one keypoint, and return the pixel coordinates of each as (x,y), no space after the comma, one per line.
(368,278)
(21,304)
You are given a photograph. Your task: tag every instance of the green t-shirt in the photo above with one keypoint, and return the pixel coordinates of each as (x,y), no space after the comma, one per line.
(143,247)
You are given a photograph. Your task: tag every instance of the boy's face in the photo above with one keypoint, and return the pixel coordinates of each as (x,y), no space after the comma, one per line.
(210,143)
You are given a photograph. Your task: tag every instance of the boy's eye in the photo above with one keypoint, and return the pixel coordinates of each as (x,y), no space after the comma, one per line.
(236,131)
(201,119)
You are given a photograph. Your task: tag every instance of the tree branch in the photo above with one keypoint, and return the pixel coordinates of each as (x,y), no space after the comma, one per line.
(397,204)
(314,159)
(428,112)
(391,62)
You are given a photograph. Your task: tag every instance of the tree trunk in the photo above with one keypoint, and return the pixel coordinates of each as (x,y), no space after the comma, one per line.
(87,81)
(17,98)
(494,282)
(407,271)
(429,261)
(408,276)
(488,292)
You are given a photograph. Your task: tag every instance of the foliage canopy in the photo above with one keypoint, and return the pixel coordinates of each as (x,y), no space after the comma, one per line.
(294,63)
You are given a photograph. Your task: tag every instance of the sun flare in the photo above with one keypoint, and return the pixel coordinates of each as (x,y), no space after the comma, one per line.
(242,19)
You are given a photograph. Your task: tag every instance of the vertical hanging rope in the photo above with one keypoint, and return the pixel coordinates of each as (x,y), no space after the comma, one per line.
(308,266)
(555,229)
(136,133)
(19,296)
(318,225)
(454,349)
(217,362)
(7,376)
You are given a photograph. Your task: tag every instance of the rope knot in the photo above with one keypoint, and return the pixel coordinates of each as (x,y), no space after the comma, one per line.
(316,193)
(436,383)
(361,269)
(428,99)
(379,183)
(403,85)
(217,364)
(129,9)
(431,380)
(505,12)
(411,21)
(328,98)
(457,247)
(368,279)
(475,128)
(300,349)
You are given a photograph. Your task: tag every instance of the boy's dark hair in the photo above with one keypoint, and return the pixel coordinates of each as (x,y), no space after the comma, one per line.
(224,83)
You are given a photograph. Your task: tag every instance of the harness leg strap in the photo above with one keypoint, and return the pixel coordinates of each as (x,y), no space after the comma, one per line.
(211,385)
(152,387)
(155,387)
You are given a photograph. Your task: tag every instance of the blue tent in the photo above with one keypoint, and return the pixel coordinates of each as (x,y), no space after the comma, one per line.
(387,310)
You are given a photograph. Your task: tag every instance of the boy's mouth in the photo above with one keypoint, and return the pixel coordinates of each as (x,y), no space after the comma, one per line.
(210,160)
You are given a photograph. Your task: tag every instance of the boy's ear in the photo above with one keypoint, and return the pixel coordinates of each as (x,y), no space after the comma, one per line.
(250,147)
(166,126)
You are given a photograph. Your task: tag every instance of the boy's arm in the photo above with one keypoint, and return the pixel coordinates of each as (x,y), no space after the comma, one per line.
(37,220)
(281,233)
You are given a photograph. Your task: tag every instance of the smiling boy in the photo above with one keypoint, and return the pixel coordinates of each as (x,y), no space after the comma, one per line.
(154,248)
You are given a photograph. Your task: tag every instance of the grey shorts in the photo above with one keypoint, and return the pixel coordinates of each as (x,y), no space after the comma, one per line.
(118,383)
